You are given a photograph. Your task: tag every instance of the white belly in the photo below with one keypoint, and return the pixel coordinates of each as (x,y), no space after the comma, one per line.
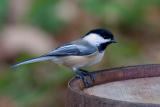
(80,61)
(98,58)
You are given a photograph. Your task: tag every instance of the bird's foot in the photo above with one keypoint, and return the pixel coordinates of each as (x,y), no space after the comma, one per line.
(89,74)
(86,77)
(87,83)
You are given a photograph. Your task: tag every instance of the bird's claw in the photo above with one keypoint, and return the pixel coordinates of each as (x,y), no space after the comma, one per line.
(91,75)
(87,78)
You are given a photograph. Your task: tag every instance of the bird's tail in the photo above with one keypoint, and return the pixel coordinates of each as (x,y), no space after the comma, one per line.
(38,59)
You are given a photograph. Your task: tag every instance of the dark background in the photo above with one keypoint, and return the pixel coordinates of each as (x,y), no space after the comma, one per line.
(30,28)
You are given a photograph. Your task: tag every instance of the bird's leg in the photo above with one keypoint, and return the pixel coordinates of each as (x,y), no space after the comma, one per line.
(86,73)
(82,76)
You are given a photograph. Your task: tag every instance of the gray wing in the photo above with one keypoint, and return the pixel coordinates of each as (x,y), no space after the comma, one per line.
(78,49)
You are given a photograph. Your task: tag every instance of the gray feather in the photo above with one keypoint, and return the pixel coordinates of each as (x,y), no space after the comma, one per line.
(38,59)
(77,48)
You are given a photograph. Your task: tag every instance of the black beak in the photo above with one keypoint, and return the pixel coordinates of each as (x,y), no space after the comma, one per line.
(113,41)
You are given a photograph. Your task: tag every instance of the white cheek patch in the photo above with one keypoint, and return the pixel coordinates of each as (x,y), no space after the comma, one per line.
(95,39)
(107,40)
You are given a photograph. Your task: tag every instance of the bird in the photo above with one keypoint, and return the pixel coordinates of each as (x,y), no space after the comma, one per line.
(86,51)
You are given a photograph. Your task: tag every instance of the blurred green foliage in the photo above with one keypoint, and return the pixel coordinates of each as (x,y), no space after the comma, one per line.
(43,14)
(128,13)
(22,86)
(3,11)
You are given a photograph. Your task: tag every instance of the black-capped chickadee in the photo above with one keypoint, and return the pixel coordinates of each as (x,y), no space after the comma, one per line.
(86,51)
